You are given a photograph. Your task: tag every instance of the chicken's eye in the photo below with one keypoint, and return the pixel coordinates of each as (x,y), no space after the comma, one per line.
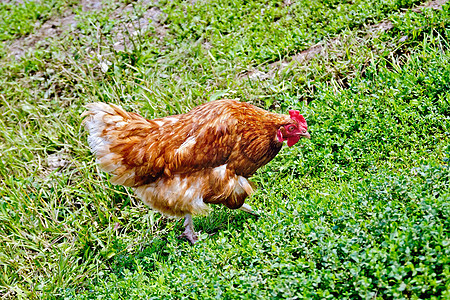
(291,128)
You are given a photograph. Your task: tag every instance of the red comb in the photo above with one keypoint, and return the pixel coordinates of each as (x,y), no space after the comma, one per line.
(296,116)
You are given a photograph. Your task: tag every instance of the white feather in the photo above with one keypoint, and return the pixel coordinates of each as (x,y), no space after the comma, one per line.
(243,182)
(220,171)
(171,119)
(186,144)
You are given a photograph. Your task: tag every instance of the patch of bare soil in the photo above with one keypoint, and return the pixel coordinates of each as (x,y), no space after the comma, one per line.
(321,48)
(53,27)
(435,4)
(129,28)
(56,26)
(13,1)
(50,28)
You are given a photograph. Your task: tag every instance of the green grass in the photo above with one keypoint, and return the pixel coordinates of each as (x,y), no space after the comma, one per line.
(359,211)
(22,17)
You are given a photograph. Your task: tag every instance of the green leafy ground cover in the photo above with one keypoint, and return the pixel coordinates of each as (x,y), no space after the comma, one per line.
(359,211)
(21,18)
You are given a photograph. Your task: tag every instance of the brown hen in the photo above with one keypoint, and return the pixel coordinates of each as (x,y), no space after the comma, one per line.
(179,163)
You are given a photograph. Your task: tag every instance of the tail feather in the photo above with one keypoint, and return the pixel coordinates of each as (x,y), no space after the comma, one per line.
(98,119)
(106,124)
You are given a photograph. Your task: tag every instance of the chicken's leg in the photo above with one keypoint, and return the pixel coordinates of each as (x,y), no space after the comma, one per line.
(189,232)
(248,209)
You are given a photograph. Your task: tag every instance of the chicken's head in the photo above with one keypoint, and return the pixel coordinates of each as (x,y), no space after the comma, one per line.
(292,132)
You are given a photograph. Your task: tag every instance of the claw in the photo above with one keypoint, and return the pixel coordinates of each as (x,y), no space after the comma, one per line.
(189,232)
(191,237)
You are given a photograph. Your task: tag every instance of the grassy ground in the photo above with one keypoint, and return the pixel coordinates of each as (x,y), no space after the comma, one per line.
(359,211)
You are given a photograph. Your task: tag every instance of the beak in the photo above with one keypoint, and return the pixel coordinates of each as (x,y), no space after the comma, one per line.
(305,135)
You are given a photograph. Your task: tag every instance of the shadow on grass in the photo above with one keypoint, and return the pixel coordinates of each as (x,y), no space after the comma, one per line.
(161,248)
(222,218)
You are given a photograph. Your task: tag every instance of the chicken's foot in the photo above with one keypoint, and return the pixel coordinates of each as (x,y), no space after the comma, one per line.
(248,209)
(189,232)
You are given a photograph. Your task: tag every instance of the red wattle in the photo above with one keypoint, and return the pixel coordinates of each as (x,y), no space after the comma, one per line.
(292,140)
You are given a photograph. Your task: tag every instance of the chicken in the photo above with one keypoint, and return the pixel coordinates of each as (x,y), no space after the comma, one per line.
(178,164)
